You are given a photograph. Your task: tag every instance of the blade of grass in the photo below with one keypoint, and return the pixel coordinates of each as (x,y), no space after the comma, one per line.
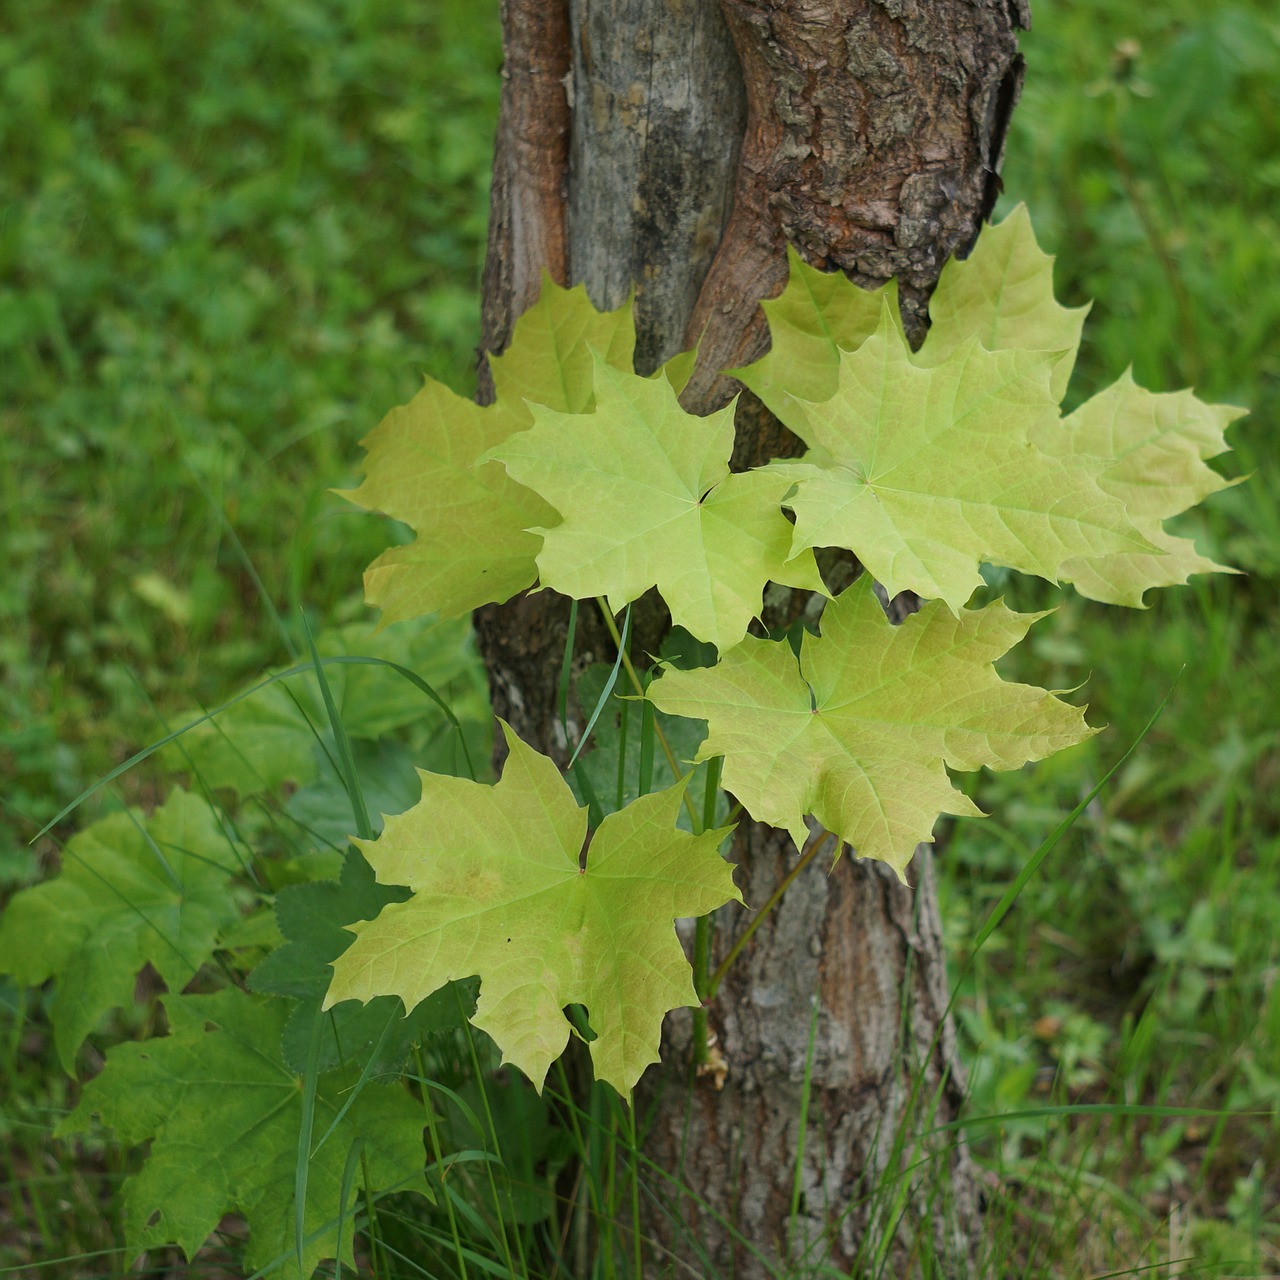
(806,1087)
(1096,1109)
(492,1135)
(702,929)
(438,1155)
(608,687)
(638,685)
(344,1199)
(621,790)
(647,739)
(246,561)
(346,757)
(566,669)
(302,1167)
(637,1253)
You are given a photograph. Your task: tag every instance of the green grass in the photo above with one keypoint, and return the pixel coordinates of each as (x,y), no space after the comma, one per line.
(1140,966)
(232,236)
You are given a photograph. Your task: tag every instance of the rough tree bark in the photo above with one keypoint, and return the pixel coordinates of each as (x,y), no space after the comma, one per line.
(678,146)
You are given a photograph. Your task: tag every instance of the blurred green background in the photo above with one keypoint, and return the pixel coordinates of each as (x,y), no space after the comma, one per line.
(232,235)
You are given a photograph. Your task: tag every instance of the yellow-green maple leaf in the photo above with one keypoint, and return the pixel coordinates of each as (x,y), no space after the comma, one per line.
(499,892)
(549,359)
(1153,448)
(647,499)
(471,518)
(1002,294)
(925,473)
(859,730)
(818,314)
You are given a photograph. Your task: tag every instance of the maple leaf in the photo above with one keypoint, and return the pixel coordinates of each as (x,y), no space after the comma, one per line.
(925,473)
(471,548)
(1152,449)
(858,730)
(647,499)
(312,919)
(131,891)
(225,1115)
(817,315)
(1002,294)
(271,737)
(549,359)
(471,518)
(499,893)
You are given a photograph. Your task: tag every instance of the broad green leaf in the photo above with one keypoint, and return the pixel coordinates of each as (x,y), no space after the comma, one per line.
(379,1036)
(926,473)
(860,729)
(1002,294)
(1153,449)
(818,314)
(131,891)
(312,919)
(499,892)
(224,1114)
(268,739)
(322,809)
(471,518)
(646,499)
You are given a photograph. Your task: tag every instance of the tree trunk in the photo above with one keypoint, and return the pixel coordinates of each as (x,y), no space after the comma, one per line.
(678,146)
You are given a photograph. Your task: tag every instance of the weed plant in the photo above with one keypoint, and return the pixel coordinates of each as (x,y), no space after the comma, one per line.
(234,235)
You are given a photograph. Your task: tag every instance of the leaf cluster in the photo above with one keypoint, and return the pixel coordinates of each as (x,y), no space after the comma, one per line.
(587,479)
(255,1101)
(498,903)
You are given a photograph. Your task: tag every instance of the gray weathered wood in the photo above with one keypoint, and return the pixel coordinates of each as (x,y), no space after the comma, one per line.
(658,112)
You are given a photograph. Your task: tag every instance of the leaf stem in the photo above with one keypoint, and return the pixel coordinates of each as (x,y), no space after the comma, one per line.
(702,928)
(376,1251)
(818,842)
(701,981)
